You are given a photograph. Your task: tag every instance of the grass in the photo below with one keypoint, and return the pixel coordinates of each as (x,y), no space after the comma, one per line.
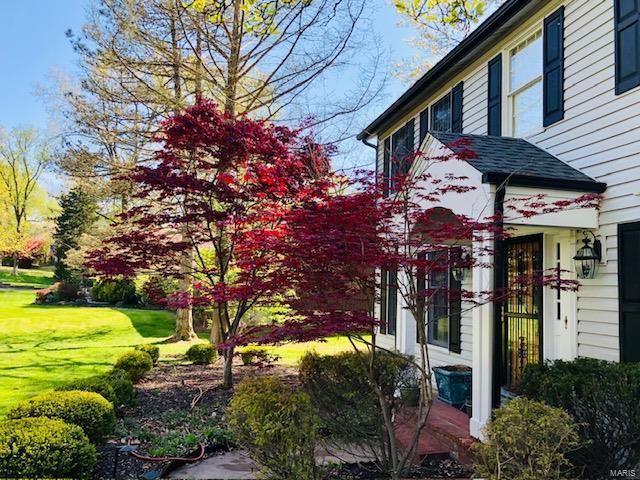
(28,278)
(42,347)
(291,353)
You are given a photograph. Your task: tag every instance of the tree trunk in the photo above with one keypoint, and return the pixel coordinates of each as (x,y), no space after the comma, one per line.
(216,328)
(184,325)
(227,379)
(14,271)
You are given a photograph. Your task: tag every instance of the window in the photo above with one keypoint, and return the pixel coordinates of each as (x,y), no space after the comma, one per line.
(627,36)
(525,85)
(444,309)
(441,114)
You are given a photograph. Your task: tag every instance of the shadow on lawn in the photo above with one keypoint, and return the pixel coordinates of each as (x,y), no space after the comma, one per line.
(148,323)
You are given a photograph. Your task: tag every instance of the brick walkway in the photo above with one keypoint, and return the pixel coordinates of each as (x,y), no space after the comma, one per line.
(446,433)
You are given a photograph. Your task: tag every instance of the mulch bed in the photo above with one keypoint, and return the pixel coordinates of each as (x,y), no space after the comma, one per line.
(431,468)
(172,388)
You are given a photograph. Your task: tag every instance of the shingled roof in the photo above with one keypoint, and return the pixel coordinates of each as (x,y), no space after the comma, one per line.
(519,162)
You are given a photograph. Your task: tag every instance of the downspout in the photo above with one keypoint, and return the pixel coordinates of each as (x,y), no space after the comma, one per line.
(373,296)
(498,286)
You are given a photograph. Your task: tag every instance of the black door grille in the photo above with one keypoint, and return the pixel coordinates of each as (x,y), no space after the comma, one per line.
(522,309)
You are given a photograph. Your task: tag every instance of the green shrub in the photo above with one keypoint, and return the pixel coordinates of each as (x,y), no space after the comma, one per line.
(123,389)
(90,411)
(152,350)
(277,426)
(136,363)
(201,353)
(44,447)
(257,355)
(97,384)
(343,396)
(526,440)
(115,290)
(602,397)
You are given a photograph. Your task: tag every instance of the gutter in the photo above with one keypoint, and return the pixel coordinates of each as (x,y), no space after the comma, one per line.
(421,88)
(498,178)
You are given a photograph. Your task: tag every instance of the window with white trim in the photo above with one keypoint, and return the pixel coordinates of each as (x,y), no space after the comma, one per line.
(525,85)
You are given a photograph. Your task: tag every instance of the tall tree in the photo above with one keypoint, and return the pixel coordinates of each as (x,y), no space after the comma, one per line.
(78,214)
(24,157)
(225,184)
(439,25)
(145,61)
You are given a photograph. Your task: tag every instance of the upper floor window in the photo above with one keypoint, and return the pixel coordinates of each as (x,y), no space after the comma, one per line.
(441,114)
(525,85)
(627,44)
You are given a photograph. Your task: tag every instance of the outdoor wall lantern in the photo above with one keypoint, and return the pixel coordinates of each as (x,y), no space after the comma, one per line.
(588,257)
(462,265)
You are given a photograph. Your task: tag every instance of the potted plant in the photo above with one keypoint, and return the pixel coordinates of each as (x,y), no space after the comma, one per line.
(454,384)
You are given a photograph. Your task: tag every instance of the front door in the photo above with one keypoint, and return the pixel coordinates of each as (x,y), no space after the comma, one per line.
(522,310)
(629,290)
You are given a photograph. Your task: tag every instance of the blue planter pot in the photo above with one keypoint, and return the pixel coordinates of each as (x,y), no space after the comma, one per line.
(454,384)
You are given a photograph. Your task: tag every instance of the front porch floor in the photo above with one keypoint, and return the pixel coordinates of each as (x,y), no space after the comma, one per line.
(446,433)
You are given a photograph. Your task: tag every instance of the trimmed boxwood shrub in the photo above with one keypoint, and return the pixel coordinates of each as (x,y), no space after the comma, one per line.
(115,290)
(602,397)
(97,384)
(343,396)
(44,447)
(123,389)
(152,350)
(277,426)
(136,363)
(526,440)
(90,411)
(201,353)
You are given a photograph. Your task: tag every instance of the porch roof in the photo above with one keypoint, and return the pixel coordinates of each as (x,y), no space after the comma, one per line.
(518,162)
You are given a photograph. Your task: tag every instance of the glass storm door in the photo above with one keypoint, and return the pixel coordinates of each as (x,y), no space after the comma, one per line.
(522,310)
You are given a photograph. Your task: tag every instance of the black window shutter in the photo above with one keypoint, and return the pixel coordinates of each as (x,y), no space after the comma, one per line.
(386,168)
(421,286)
(456,108)
(392,302)
(383,301)
(455,308)
(553,61)
(409,145)
(424,124)
(494,104)
(627,41)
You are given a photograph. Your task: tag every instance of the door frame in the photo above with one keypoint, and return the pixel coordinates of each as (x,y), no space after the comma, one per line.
(500,347)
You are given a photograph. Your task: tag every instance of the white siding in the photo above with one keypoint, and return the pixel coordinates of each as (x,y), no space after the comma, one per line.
(599,135)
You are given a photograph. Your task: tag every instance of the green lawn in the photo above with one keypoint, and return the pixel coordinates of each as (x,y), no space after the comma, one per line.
(30,278)
(44,346)
(290,354)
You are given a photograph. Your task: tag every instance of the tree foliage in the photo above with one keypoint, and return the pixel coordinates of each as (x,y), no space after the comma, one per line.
(226,183)
(77,216)
(440,25)
(24,157)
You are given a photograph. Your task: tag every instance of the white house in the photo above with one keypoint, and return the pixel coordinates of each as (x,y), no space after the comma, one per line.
(548,92)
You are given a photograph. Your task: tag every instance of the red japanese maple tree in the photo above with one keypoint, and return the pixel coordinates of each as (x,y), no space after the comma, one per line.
(218,191)
(338,245)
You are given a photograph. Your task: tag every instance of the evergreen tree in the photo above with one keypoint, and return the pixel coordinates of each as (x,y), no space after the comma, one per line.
(78,214)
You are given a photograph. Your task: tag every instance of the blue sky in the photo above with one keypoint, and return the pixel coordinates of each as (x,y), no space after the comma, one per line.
(33,44)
